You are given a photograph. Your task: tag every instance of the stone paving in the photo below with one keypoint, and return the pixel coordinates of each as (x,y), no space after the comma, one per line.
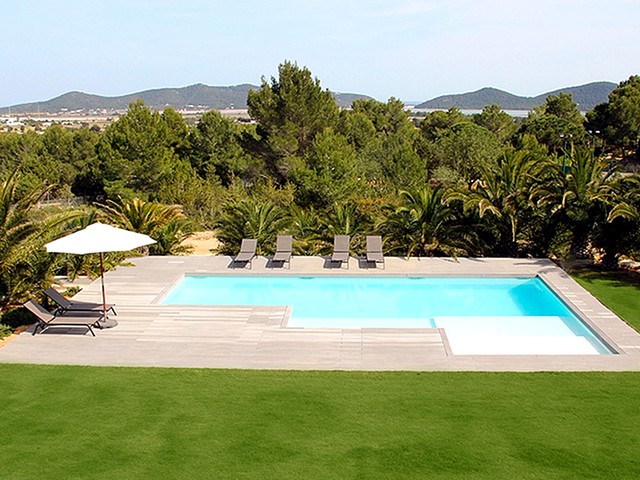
(151,334)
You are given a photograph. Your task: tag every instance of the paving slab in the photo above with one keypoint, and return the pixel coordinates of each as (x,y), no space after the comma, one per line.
(257,337)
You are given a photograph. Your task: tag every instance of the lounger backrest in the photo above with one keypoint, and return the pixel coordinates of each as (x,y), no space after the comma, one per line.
(38,310)
(284,243)
(248,245)
(374,244)
(57,297)
(341,243)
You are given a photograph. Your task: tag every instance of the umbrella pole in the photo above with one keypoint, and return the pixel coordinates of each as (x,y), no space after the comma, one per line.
(104,296)
(105,322)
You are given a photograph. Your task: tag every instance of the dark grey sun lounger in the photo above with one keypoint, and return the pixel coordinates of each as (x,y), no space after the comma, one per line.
(47,319)
(341,249)
(374,249)
(65,305)
(247,251)
(284,250)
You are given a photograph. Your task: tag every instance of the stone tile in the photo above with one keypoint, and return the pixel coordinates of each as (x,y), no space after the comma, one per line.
(151,334)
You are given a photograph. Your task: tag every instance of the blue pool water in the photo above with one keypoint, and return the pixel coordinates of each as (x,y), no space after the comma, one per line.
(515,307)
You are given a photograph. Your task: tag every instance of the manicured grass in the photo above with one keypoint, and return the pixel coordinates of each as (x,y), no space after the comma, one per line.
(93,423)
(107,423)
(619,291)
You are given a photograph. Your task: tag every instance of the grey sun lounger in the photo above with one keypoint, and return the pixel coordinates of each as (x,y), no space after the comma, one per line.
(341,249)
(284,250)
(247,251)
(374,250)
(65,305)
(47,319)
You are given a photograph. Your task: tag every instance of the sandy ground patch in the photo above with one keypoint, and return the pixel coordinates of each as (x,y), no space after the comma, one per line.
(202,242)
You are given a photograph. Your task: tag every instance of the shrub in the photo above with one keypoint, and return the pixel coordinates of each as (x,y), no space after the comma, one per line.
(71,291)
(5,330)
(17,317)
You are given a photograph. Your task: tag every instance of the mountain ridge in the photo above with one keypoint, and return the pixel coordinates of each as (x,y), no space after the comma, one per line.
(586,96)
(192,97)
(204,97)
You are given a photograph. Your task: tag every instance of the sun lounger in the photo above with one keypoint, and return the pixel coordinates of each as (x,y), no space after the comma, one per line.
(374,249)
(284,250)
(47,319)
(247,251)
(65,305)
(341,249)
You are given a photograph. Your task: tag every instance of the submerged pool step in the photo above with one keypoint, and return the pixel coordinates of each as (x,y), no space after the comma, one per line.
(519,335)
(517,345)
(529,326)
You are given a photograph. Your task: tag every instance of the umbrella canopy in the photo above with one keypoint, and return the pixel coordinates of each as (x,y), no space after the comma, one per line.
(100,238)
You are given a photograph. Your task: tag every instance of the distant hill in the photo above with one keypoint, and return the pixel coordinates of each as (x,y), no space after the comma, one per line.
(193,97)
(586,96)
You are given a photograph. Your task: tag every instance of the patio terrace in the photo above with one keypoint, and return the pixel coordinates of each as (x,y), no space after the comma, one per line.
(150,334)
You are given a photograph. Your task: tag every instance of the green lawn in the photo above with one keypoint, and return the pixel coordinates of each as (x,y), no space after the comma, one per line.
(111,423)
(618,290)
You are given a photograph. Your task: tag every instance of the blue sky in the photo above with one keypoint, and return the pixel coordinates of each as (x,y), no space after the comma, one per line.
(413,49)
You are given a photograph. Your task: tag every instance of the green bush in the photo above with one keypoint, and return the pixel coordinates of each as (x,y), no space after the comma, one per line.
(5,330)
(71,291)
(17,317)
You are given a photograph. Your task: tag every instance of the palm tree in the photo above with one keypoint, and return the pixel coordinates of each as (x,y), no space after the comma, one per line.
(580,199)
(250,219)
(141,216)
(305,227)
(24,268)
(504,193)
(620,234)
(627,188)
(586,196)
(166,224)
(343,219)
(425,225)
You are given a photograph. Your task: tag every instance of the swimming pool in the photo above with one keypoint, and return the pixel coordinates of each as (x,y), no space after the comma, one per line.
(499,315)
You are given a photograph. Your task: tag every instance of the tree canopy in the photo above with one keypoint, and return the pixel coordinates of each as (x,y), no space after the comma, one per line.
(449,184)
(618,121)
(289,112)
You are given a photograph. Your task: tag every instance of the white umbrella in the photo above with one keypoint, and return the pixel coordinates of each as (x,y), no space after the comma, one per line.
(99,238)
